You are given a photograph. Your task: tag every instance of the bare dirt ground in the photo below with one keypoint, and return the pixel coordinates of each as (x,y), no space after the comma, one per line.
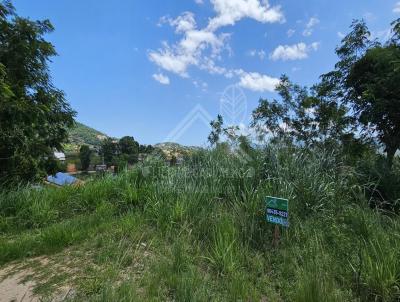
(19,281)
(15,287)
(61,276)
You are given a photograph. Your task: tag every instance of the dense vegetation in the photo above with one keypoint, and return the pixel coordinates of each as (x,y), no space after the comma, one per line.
(122,152)
(197,232)
(85,157)
(81,134)
(34,114)
(356,106)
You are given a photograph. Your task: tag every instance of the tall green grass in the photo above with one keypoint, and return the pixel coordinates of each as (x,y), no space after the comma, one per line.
(209,238)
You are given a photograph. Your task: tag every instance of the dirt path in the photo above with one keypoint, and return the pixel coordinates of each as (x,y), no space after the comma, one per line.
(18,281)
(61,276)
(15,286)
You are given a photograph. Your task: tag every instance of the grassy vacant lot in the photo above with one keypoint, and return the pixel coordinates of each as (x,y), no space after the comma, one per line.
(197,232)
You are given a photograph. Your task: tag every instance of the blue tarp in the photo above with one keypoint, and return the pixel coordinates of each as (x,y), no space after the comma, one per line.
(62,179)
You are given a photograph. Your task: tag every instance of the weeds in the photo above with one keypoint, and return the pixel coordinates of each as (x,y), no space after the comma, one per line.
(203,225)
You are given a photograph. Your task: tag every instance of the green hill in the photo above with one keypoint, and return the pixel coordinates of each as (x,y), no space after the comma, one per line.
(174,149)
(83,135)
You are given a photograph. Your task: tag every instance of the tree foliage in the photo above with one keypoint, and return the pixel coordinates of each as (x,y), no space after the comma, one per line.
(366,79)
(221,135)
(84,156)
(301,116)
(129,148)
(121,152)
(108,150)
(291,117)
(34,115)
(356,103)
(146,149)
(216,130)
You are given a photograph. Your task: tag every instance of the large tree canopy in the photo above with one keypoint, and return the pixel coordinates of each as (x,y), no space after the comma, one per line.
(357,102)
(375,92)
(367,79)
(302,116)
(109,149)
(34,115)
(129,148)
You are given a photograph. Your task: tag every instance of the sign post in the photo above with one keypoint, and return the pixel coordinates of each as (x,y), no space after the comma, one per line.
(277,213)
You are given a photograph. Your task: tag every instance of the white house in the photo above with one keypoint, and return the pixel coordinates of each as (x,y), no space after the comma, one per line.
(59,155)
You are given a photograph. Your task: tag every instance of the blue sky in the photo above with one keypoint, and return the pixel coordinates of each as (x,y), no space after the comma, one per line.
(157,70)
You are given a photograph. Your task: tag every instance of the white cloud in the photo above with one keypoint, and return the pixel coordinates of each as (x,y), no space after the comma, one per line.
(252,53)
(161,78)
(209,65)
(315,45)
(258,82)
(341,35)
(204,47)
(290,32)
(369,16)
(310,26)
(231,11)
(189,50)
(198,40)
(396,8)
(199,1)
(259,53)
(201,85)
(184,22)
(171,62)
(293,52)
(312,22)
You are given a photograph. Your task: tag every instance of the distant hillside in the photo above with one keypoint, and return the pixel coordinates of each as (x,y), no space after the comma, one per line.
(175,149)
(83,135)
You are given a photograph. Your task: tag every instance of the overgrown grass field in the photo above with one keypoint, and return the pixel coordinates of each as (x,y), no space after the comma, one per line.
(197,232)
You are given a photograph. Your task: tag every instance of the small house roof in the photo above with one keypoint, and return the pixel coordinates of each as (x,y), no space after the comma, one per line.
(59,155)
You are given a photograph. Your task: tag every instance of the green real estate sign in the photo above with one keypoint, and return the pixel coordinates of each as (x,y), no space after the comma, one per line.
(277,210)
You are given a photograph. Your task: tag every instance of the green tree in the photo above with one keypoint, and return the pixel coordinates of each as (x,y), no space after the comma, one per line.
(84,156)
(34,115)
(310,118)
(108,150)
(130,148)
(375,94)
(367,78)
(335,123)
(216,130)
(146,148)
(290,118)
(149,149)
